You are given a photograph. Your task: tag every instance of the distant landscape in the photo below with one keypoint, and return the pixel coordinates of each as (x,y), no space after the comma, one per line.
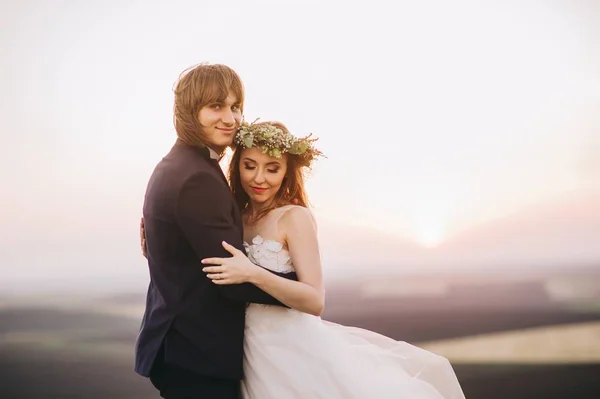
(78,347)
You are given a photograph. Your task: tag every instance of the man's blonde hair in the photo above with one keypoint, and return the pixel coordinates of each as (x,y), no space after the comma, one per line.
(197,87)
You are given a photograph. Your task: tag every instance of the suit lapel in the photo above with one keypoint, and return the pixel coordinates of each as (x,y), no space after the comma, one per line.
(214,164)
(237,217)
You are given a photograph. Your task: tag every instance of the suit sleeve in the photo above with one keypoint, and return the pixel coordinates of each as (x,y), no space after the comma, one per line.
(205,217)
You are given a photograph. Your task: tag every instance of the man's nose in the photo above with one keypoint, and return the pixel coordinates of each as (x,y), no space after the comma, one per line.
(227,117)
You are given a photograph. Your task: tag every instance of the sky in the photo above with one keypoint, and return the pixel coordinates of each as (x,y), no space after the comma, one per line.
(434,117)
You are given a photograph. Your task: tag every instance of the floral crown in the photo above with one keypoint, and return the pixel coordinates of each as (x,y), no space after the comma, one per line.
(275,141)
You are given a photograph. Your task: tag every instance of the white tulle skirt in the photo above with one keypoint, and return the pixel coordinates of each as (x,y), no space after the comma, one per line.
(293,355)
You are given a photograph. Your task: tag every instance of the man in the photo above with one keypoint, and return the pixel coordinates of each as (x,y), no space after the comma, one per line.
(190,343)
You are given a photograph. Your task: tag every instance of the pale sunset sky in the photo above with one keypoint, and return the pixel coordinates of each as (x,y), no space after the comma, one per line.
(434,116)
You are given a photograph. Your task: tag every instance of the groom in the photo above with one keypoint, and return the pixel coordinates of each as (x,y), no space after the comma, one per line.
(191,339)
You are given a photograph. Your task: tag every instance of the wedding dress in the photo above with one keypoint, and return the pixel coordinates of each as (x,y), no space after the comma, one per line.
(294,355)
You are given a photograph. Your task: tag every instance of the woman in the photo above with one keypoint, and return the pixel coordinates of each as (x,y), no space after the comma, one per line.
(292,353)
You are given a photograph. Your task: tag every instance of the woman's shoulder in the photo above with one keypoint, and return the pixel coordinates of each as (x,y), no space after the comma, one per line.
(293,210)
(295,216)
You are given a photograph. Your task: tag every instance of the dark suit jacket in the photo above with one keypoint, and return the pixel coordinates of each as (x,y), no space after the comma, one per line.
(188,212)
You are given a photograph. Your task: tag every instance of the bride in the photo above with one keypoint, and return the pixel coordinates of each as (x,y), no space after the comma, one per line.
(291,352)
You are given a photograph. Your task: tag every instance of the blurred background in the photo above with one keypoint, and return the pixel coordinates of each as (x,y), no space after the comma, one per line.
(458,208)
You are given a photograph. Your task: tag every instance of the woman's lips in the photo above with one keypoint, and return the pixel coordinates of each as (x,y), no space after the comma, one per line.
(259,190)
